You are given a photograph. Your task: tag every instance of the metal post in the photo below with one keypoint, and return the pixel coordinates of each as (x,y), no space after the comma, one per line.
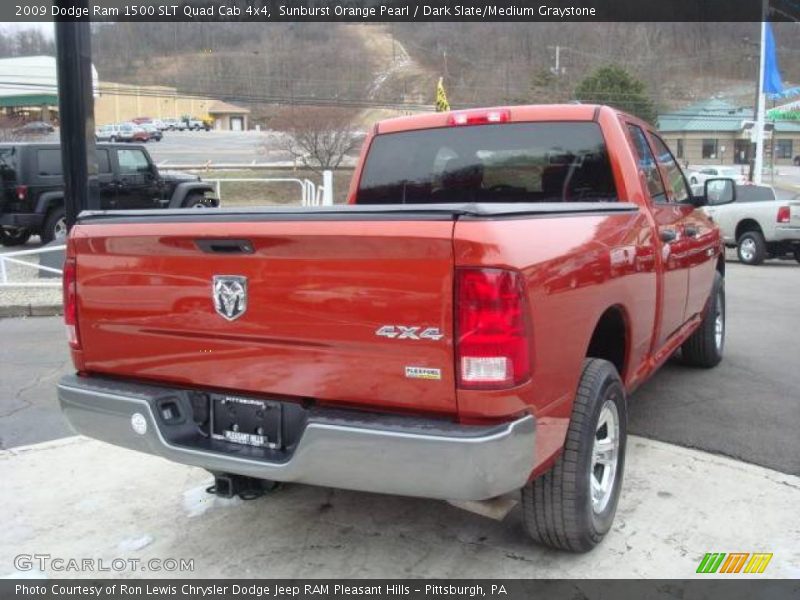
(76,113)
(327,187)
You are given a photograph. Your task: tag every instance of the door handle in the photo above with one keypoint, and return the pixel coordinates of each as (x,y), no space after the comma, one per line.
(690,230)
(668,235)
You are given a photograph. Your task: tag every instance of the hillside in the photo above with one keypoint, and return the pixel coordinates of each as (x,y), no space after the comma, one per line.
(378,69)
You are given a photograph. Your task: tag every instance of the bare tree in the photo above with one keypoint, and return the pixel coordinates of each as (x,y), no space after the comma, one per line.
(319,138)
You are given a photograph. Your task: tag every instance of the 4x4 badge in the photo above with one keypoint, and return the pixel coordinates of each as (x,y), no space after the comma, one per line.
(230,296)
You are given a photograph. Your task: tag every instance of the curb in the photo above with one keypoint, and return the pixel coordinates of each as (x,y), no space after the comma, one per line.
(30,310)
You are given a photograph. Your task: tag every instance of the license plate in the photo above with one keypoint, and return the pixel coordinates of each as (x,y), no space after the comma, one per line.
(246,421)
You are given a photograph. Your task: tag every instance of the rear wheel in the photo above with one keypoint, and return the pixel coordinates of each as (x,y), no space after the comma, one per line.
(797,253)
(751,248)
(704,347)
(55,226)
(14,237)
(196,200)
(113,139)
(572,506)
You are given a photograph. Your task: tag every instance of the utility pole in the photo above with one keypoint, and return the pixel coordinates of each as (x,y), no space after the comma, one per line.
(76,112)
(556,70)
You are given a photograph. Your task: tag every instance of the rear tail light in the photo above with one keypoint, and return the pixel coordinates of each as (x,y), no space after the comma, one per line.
(783,214)
(479,117)
(492,331)
(21,192)
(70,286)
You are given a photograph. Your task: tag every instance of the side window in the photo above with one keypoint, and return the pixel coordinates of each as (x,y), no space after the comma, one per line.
(49,162)
(132,161)
(647,163)
(677,181)
(103,165)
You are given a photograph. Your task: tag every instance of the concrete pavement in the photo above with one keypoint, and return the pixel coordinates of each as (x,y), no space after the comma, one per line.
(82,498)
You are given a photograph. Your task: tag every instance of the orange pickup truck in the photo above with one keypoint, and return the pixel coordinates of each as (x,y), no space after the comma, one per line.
(469,325)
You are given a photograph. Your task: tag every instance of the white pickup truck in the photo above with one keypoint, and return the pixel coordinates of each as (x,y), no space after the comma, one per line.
(758,225)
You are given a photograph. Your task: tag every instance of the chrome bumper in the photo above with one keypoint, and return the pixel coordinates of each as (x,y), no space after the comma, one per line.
(348,449)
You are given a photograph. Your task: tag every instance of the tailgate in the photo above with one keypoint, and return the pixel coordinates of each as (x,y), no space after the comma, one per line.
(318,294)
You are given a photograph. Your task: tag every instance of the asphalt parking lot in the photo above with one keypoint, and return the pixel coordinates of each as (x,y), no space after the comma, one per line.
(198,147)
(694,482)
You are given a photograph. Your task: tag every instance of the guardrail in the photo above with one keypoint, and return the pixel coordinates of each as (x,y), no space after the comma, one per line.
(11,257)
(311,194)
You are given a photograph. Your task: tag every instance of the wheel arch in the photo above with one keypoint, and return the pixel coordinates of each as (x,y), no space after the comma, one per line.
(746,225)
(182,191)
(610,338)
(48,201)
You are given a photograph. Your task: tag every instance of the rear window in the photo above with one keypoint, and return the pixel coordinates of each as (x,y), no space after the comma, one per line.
(49,162)
(8,163)
(520,162)
(754,193)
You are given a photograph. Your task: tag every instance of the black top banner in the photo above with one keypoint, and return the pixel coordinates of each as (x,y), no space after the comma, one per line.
(403,10)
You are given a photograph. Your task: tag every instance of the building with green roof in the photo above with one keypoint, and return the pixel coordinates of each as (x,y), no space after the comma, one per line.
(716,132)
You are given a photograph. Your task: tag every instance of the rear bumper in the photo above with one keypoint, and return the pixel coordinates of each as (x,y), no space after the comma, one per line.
(787,234)
(26,220)
(348,449)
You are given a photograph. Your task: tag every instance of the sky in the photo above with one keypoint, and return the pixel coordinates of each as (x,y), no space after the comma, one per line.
(45,27)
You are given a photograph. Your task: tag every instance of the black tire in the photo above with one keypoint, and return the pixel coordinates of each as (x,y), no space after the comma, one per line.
(703,348)
(113,139)
(796,253)
(751,248)
(557,507)
(196,200)
(16,237)
(52,225)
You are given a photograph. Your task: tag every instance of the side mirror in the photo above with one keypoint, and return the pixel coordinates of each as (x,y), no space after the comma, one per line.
(718,191)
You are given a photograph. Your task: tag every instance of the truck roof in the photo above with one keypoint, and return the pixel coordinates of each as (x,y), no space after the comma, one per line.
(511,114)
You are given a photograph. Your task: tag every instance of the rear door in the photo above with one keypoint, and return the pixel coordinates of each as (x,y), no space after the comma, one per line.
(344,310)
(670,217)
(699,238)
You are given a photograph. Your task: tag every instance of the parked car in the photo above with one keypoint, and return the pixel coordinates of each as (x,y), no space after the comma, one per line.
(140,134)
(141,120)
(470,325)
(160,124)
(701,175)
(153,132)
(175,124)
(757,224)
(196,125)
(32,193)
(35,128)
(108,133)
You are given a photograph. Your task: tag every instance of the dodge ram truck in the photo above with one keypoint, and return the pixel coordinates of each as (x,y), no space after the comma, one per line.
(469,325)
(758,225)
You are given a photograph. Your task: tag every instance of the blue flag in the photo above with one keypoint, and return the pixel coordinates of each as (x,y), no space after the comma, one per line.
(772,77)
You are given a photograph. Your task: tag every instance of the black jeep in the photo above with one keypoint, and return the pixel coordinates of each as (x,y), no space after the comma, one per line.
(32,188)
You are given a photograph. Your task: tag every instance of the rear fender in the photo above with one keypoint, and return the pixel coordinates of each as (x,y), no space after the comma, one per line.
(182,190)
(49,200)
